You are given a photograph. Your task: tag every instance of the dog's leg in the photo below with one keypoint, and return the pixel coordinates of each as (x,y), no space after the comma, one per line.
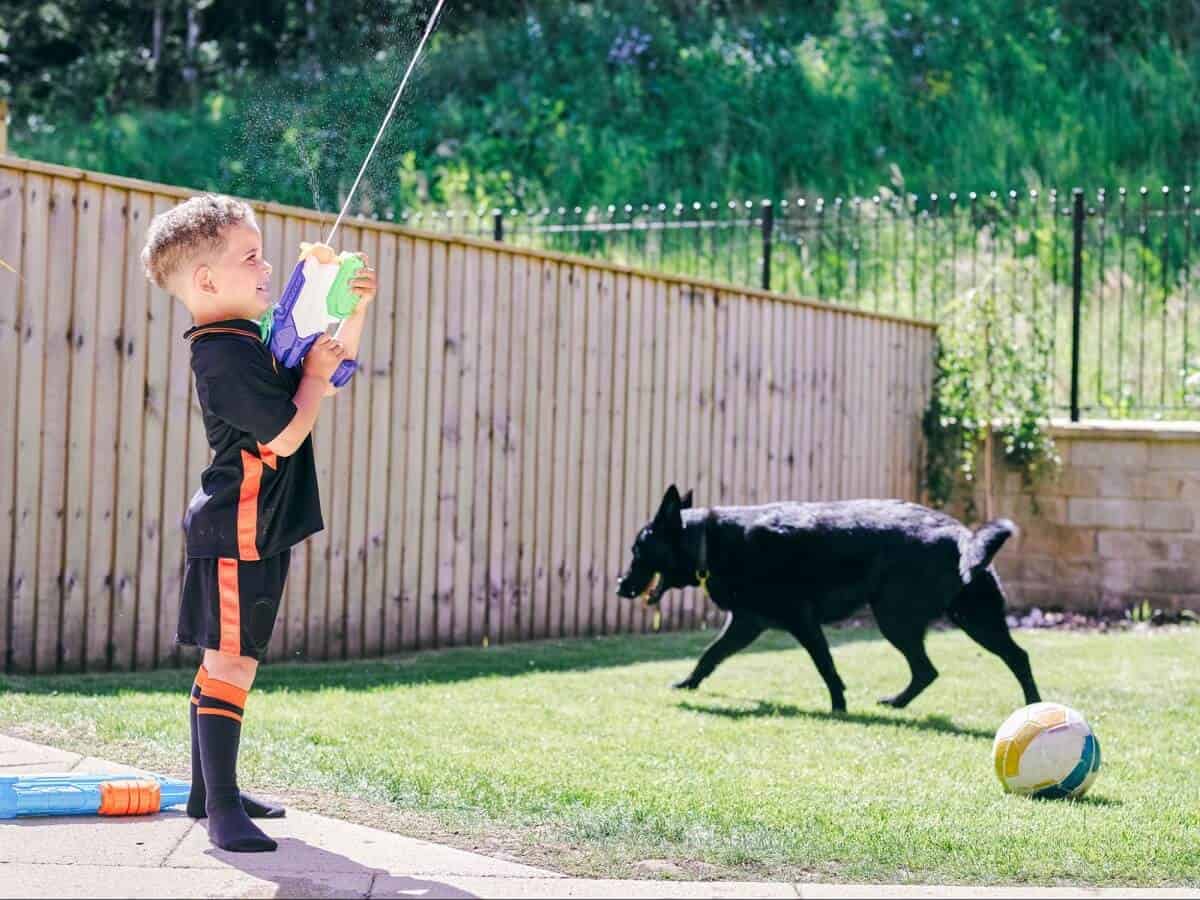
(739,632)
(908,637)
(979,611)
(812,639)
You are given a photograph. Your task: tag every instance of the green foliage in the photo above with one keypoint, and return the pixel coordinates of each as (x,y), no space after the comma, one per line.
(992,372)
(614,101)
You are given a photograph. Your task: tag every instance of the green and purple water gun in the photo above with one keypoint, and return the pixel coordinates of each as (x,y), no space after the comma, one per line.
(316,296)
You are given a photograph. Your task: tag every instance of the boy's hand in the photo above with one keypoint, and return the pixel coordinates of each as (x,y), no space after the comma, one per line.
(365,284)
(324,357)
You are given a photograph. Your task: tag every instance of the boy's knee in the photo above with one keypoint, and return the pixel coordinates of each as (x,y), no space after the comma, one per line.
(236,670)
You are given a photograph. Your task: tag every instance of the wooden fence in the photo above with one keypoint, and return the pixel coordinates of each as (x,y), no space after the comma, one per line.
(517,419)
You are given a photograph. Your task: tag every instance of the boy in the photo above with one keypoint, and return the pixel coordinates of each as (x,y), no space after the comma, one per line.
(258,496)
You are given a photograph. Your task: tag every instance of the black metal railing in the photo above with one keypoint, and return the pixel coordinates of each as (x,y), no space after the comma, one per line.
(1107,273)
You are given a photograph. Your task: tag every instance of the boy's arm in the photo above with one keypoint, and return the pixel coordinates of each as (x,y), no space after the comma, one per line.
(307,399)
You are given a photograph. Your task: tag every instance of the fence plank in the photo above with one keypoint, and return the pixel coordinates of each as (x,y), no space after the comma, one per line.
(527,292)
(660,474)
(452,431)
(503,535)
(157,349)
(479,593)
(559,499)
(617,474)
(33,352)
(518,475)
(636,450)
(12,286)
(55,427)
(379,633)
(420,459)
(131,472)
(591,399)
(109,349)
(435,455)
(551,322)
(469,375)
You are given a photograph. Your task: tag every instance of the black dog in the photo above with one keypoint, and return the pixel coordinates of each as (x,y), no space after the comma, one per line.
(797,566)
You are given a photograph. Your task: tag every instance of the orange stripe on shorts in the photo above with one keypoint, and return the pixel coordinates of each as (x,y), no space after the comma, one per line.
(247,515)
(231,610)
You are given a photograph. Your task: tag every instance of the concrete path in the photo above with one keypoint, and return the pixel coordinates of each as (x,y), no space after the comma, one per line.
(169,855)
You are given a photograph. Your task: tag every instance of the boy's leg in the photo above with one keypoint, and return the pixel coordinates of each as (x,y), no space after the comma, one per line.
(229,608)
(255,808)
(219,729)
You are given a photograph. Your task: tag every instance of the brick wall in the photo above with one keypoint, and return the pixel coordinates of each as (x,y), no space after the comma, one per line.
(1118,525)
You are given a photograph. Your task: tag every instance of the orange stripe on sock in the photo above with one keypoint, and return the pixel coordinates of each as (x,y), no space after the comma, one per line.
(210,711)
(247,515)
(231,609)
(223,690)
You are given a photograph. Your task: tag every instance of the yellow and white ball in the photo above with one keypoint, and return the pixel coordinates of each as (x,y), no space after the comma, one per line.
(1046,750)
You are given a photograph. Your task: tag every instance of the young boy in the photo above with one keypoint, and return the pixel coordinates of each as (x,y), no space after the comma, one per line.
(258,496)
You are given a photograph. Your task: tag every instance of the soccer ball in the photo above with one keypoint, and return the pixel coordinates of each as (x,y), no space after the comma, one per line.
(1046,750)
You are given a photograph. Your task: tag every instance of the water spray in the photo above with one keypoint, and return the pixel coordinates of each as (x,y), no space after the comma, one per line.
(318,293)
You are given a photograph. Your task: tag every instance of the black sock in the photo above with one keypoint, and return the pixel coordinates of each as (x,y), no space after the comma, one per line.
(255,808)
(219,729)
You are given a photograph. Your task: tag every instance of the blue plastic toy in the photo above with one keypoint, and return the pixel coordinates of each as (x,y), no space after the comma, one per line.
(88,795)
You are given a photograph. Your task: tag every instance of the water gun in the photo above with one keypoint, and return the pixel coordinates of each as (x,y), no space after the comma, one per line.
(88,795)
(316,296)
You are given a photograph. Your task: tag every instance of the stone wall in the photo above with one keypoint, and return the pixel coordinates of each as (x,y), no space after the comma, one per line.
(1119,524)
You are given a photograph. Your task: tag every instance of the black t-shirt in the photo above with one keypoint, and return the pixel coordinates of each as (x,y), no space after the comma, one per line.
(252,503)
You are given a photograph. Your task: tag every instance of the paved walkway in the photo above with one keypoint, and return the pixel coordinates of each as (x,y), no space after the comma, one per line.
(169,855)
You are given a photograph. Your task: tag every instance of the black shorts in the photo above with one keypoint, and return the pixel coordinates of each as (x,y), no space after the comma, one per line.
(230,605)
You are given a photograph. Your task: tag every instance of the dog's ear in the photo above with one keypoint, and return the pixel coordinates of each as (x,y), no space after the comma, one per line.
(669,509)
(686,502)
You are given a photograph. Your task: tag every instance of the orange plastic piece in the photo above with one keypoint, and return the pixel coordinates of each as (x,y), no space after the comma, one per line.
(130,798)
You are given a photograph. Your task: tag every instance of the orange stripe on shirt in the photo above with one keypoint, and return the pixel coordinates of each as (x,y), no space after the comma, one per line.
(231,610)
(269,457)
(247,515)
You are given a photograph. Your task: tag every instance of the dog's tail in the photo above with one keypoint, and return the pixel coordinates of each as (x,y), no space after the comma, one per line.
(982,546)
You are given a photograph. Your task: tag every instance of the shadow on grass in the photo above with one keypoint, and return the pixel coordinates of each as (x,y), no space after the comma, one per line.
(770,709)
(432,666)
(1085,800)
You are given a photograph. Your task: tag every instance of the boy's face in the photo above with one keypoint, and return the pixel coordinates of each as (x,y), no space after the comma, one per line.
(236,281)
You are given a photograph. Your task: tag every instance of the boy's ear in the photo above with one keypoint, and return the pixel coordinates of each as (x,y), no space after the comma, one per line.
(202,279)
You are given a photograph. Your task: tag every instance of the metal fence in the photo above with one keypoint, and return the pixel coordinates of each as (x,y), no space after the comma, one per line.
(1108,274)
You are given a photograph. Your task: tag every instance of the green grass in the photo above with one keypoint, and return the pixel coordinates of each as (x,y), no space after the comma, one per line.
(576,755)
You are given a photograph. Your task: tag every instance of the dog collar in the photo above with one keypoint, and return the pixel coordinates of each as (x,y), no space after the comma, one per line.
(702,572)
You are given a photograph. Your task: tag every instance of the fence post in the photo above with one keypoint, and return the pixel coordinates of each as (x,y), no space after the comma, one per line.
(768,230)
(498,225)
(1077,218)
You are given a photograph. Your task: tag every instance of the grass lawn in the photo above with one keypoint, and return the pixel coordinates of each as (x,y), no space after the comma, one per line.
(577,756)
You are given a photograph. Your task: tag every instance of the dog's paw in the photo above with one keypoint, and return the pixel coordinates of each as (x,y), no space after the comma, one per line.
(686,685)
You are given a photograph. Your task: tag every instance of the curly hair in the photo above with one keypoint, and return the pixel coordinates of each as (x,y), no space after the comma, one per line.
(182,232)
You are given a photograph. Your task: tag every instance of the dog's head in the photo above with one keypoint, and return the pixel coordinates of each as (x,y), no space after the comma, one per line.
(659,561)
